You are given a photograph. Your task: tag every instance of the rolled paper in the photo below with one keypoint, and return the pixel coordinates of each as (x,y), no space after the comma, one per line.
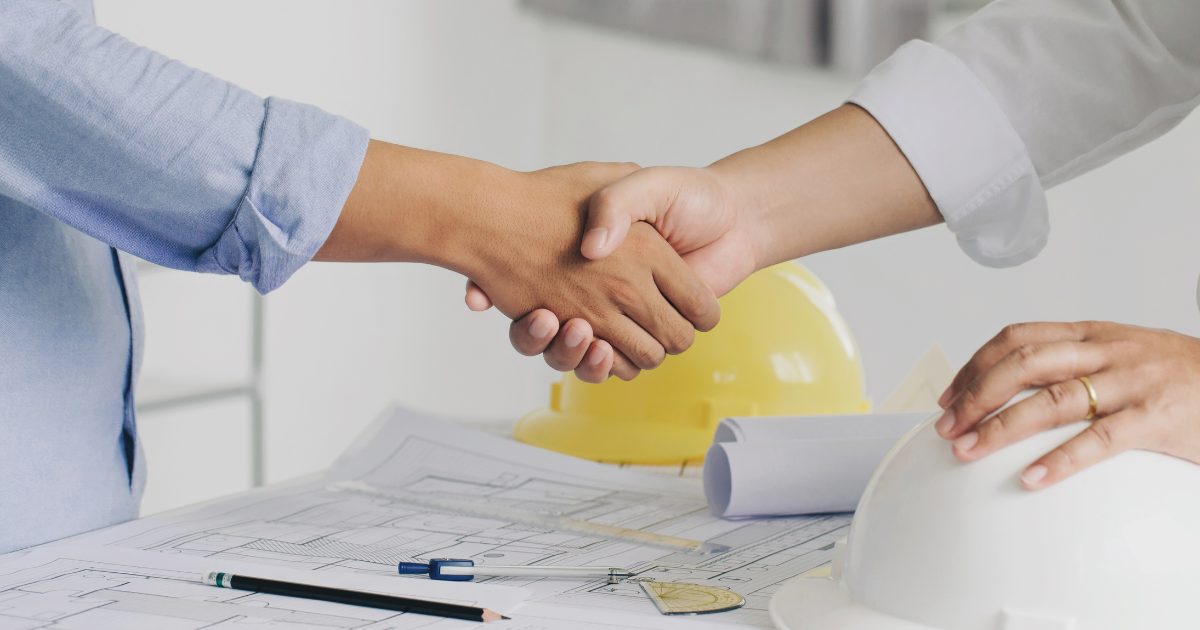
(784,465)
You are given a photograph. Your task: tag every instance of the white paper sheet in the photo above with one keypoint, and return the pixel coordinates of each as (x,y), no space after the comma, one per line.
(766,466)
(87,588)
(69,587)
(323,525)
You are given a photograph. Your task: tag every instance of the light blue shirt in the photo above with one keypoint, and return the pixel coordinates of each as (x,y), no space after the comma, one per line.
(107,148)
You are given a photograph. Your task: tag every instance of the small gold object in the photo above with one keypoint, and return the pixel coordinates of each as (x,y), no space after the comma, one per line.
(1091,397)
(679,598)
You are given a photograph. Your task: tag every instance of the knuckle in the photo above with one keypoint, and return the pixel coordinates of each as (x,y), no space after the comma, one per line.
(603,199)
(644,352)
(651,357)
(969,400)
(1059,396)
(1104,435)
(703,310)
(679,339)
(1027,354)
(624,293)
(1011,334)
(997,426)
(1090,329)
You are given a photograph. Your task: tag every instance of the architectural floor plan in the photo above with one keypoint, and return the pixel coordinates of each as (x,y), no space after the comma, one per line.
(419,488)
(79,589)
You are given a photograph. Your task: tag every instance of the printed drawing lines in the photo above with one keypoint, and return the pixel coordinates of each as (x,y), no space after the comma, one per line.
(336,530)
(329,525)
(72,594)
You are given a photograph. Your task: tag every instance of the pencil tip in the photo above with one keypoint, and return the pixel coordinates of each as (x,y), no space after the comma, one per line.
(491,615)
(503,617)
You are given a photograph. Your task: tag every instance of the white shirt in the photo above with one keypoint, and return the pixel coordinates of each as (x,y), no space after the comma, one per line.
(1028,94)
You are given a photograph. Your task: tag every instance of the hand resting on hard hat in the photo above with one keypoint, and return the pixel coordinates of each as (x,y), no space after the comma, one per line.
(1144,379)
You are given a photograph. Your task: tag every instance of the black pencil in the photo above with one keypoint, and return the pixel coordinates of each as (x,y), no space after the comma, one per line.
(354,598)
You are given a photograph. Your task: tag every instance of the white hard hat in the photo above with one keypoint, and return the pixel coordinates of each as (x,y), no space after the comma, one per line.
(938,544)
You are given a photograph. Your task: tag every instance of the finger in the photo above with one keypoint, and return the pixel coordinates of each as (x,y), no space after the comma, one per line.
(477,300)
(531,334)
(1027,366)
(614,208)
(1008,340)
(1057,405)
(623,368)
(569,345)
(596,364)
(641,347)
(645,304)
(687,293)
(1102,439)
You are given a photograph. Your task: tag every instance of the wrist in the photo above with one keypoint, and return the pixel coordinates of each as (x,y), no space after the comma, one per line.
(410,205)
(459,227)
(834,181)
(738,187)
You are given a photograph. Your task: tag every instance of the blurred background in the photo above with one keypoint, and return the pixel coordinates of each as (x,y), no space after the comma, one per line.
(533,84)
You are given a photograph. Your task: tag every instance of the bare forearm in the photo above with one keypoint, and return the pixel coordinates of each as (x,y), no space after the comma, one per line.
(832,182)
(409,205)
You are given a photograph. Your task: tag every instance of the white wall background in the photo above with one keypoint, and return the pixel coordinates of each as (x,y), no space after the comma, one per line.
(484,79)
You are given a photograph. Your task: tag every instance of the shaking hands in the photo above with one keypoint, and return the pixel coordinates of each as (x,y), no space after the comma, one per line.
(835,181)
(516,236)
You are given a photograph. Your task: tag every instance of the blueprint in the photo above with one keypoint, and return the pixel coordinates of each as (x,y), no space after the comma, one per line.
(73,588)
(416,488)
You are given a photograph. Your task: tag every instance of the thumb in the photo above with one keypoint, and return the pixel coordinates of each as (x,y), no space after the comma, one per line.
(643,195)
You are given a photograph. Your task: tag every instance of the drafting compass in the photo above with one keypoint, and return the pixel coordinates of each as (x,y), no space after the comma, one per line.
(671,598)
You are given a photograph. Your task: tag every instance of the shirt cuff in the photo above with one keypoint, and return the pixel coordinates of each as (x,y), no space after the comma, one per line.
(307,162)
(964,149)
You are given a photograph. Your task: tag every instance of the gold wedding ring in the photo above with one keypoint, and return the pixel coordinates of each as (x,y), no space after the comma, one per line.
(1091,397)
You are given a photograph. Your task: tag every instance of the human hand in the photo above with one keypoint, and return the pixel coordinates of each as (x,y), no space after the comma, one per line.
(644,302)
(1145,382)
(693,209)
(516,235)
(689,207)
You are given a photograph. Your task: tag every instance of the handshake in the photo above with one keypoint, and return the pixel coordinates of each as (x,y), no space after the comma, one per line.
(607,268)
(590,244)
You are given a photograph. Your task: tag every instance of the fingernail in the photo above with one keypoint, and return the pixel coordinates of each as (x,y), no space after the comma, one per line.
(573,337)
(595,239)
(966,442)
(539,327)
(596,357)
(946,397)
(945,423)
(1034,474)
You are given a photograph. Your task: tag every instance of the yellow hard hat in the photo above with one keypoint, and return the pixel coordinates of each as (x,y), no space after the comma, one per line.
(781,349)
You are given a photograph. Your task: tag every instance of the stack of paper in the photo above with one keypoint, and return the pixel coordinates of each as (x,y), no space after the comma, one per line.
(782,465)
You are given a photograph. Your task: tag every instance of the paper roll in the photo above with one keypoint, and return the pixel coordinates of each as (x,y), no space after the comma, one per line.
(774,466)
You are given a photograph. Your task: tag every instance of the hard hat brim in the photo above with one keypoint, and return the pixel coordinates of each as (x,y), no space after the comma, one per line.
(820,603)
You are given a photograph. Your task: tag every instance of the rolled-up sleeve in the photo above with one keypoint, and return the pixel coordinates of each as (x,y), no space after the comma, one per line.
(1028,94)
(160,160)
